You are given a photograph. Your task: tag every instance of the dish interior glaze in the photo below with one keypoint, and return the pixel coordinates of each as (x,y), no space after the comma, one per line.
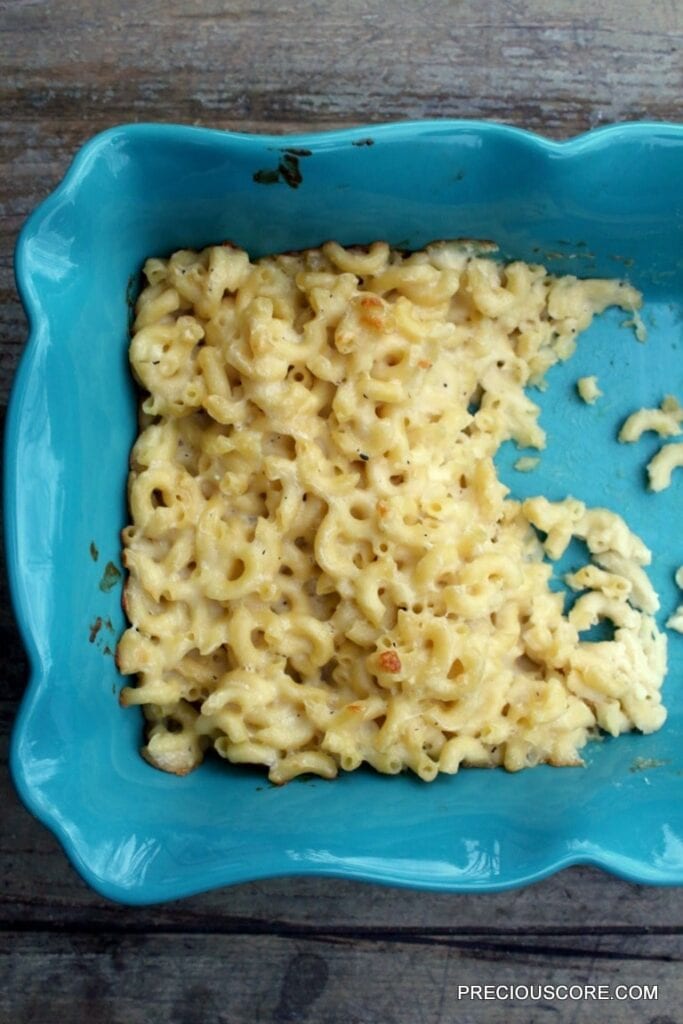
(605,204)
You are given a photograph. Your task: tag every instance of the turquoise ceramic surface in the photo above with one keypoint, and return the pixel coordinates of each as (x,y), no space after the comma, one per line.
(608,203)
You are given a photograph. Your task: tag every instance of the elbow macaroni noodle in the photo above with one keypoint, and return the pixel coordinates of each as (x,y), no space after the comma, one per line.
(588,389)
(323,566)
(665,421)
(661,466)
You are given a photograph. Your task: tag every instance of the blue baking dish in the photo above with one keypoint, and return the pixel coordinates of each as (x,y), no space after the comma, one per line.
(608,203)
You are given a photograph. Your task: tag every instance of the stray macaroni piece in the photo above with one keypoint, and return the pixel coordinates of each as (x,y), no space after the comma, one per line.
(636,322)
(665,421)
(588,389)
(660,468)
(323,566)
(675,621)
(527,463)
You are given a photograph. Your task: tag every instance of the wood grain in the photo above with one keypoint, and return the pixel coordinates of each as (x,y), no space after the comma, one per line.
(74,67)
(242,979)
(307,949)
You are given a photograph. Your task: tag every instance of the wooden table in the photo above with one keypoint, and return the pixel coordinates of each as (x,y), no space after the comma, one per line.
(313,951)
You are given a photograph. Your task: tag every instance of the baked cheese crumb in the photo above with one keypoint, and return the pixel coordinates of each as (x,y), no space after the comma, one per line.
(527,463)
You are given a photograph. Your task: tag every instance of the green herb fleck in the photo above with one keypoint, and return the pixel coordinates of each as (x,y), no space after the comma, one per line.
(265,177)
(94,553)
(110,577)
(641,764)
(289,169)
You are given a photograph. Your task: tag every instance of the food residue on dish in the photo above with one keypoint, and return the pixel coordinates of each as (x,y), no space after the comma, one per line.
(110,577)
(588,389)
(527,463)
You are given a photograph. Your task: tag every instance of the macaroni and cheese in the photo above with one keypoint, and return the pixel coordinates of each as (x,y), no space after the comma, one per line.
(323,566)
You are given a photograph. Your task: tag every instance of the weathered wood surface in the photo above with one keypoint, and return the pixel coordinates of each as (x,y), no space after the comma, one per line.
(73,67)
(301,949)
(136,980)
